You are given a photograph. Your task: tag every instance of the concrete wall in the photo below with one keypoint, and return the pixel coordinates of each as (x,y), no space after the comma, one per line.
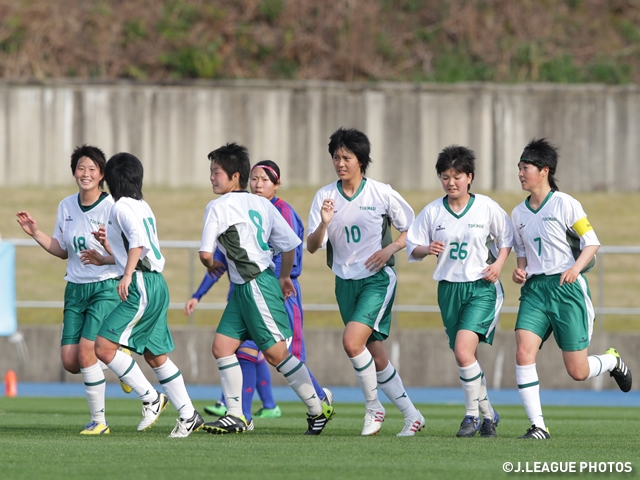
(422,357)
(171,128)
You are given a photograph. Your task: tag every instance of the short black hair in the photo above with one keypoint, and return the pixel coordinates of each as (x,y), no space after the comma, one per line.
(459,158)
(233,158)
(272,171)
(354,141)
(123,175)
(92,153)
(542,153)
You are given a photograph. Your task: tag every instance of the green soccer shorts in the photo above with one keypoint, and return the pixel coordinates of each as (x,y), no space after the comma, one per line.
(566,310)
(368,301)
(140,322)
(471,306)
(86,305)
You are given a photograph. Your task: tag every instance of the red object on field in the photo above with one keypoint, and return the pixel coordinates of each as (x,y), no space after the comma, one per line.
(11,384)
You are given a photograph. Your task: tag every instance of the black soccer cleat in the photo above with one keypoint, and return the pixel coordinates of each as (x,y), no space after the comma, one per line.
(468,427)
(620,373)
(488,427)
(317,423)
(226,424)
(536,433)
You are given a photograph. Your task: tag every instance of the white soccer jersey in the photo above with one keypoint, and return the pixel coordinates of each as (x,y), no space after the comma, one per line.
(472,237)
(360,225)
(544,236)
(132,225)
(74,224)
(249,230)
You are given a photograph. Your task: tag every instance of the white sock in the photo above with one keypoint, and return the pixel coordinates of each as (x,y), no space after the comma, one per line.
(94,387)
(103,366)
(483,403)
(173,385)
(366,373)
(601,363)
(297,375)
(129,372)
(529,390)
(231,382)
(471,380)
(390,383)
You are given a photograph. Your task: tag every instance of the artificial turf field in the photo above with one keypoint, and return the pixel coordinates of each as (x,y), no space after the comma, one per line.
(39,439)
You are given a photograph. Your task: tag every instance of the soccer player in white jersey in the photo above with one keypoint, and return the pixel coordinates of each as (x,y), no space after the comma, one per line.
(246,228)
(472,236)
(353,218)
(90,294)
(140,320)
(554,244)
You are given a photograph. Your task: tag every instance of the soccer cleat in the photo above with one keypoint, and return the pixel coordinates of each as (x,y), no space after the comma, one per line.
(152,410)
(373,422)
(268,412)
(227,424)
(125,388)
(536,433)
(317,423)
(95,428)
(412,425)
(468,427)
(219,409)
(184,428)
(250,425)
(620,373)
(488,427)
(328,397)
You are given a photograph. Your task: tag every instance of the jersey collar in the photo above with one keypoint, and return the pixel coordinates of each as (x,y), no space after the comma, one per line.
(546,199)
(360,188)
(445,202)
(87,208)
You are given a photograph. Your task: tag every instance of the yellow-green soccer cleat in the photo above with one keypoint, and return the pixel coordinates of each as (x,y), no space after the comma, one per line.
(227,424)
(317,423)
(620,373)
(125,388)
(95,428)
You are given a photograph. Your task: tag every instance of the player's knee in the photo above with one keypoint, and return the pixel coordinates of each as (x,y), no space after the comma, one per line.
(71,365)
(525,357)
(577,373)
(352,347)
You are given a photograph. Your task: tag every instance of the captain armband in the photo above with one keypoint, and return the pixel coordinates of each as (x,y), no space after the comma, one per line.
(582,226)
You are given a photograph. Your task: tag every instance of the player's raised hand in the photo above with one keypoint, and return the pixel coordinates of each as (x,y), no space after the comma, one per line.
(326,211)
(436,248)
(217,269)
(27,222)
(101,236)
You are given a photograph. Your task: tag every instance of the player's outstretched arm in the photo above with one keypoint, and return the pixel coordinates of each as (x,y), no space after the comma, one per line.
(30,227)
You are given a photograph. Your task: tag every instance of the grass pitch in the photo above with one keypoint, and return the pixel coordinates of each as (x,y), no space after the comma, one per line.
(39,438)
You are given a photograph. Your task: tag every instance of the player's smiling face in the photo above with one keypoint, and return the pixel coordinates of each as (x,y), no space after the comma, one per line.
(262,185)
(530,176)
(220,181)
(455,184)
(87,174)
(346,165)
